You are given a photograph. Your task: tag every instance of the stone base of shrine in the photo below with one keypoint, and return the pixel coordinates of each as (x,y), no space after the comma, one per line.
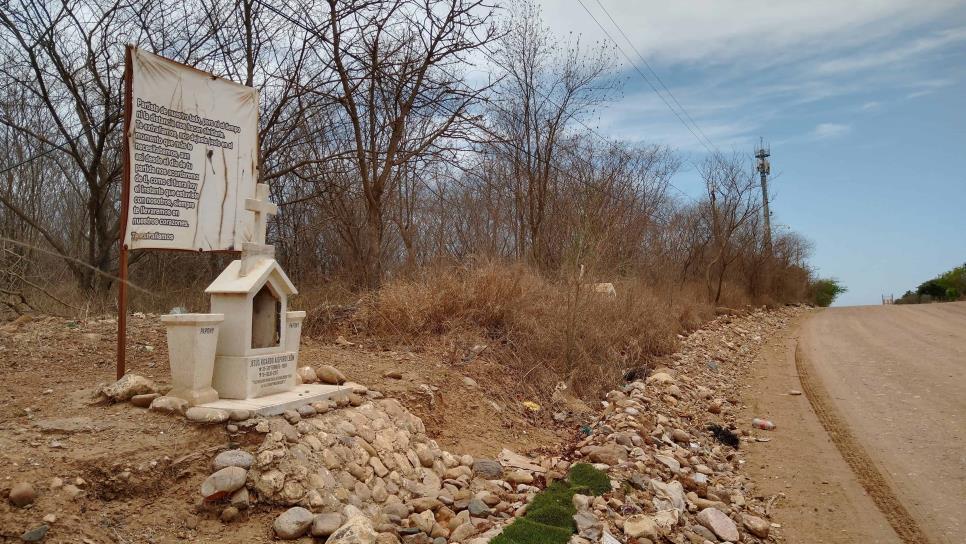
(274,404)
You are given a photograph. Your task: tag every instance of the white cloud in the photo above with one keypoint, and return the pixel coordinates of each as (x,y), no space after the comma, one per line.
(872,105)
(893,56)
(825,131)
(757,32)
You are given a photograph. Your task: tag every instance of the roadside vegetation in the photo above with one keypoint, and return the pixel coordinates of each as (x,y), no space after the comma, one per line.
(418,205)
(947,287)
(825,291)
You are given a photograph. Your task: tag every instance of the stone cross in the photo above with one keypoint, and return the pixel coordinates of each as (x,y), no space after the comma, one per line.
(262,208)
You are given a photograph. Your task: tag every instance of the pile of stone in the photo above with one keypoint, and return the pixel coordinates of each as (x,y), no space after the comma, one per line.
(368,474)
(682,485)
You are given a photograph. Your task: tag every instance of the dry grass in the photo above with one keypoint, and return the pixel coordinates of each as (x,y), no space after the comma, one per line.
(542,330)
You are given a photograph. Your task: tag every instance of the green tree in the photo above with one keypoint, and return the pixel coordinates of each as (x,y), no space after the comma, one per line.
(825,290)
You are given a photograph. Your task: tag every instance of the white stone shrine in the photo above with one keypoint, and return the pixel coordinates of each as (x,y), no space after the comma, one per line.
(255,337)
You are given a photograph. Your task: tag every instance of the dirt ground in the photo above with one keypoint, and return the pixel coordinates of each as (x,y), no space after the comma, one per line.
(895,377)
(144,469)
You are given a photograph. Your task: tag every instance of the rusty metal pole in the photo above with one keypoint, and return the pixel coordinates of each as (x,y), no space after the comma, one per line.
(122,230)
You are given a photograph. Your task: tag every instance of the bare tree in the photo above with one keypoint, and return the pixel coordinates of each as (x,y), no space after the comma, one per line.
(732,200)
(402,98)
(547,86)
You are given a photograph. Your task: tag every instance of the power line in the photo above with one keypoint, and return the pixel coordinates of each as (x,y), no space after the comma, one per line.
(656,76)
(649,82)
(35,157)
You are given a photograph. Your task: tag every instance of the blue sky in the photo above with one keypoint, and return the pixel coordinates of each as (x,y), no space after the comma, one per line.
(862,102)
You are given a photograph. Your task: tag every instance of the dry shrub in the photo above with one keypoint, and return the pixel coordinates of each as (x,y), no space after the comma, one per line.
(542,330)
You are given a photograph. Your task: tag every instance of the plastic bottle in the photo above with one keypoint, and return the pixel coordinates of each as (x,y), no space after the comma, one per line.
(762,424)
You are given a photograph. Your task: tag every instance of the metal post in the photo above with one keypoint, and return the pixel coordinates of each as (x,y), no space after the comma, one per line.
(122,313)
(122,230)
(764,168)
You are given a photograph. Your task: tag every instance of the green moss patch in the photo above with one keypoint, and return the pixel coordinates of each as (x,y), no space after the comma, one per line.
(550,516)
(586,476)
(558,516)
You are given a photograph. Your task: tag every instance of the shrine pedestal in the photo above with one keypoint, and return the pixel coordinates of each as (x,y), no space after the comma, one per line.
(272,405)
(192,339)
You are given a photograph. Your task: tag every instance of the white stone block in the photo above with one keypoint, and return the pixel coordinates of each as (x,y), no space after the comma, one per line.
(247,377)
(192,339)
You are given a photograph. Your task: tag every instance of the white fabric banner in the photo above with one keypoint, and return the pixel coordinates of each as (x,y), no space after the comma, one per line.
(193,144)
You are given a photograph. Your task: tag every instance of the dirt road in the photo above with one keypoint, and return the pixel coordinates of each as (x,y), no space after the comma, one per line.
(820,499)
(895,377)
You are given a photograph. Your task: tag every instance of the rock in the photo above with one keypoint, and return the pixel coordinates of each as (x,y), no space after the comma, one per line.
(293,523)
(715,406)
(22,494)
(610,454)
(239,499)
(669,462)
(326,523)
(232,458)
(223,482)
(755,525)
(392,374)
(669,495)
(426,456)
(291,416)
(519,477)
(307,374)
(358,530)
(330,374)
(50,518)
(36,534)
(680,436)
(306,411)
(660,377)
(73,491)
(719,524)
(639,526)
(477,507)
(356,400)
(229,514)
(200,414)
(423,521)
(170,405)
(588,526)
(128,386)
(463,532)
(239,414)
(425,503)
(143,401)
(469,382)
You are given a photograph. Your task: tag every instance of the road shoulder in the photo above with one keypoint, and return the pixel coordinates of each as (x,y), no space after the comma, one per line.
(823,500)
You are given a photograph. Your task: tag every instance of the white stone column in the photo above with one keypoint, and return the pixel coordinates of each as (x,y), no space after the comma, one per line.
(293,331)
(192,340)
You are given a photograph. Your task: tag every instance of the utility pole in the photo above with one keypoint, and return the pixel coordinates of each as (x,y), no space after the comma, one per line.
(764,168)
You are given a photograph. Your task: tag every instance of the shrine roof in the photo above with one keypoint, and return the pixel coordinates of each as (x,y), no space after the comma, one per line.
(232,282)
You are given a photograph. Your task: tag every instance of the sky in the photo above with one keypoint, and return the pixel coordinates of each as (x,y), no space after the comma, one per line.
(863,104)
